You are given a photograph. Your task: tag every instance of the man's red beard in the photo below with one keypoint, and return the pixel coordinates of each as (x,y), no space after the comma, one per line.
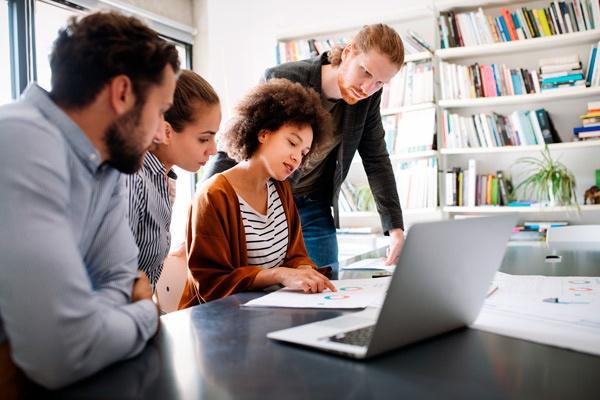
(346,93)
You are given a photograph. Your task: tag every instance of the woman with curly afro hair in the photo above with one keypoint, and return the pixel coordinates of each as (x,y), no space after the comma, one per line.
(243,229)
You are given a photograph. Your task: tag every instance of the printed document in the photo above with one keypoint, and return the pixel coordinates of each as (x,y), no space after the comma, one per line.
(558,311)
(351,294)
(371,264)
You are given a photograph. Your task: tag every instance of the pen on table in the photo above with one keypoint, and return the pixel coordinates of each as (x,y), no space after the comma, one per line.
(383,275)
(491,292)
(559,301)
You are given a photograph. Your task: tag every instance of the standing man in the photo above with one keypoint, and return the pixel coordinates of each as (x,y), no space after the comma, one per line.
(71,300)
(349,81)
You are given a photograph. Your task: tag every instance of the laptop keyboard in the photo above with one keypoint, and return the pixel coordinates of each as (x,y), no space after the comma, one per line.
(358,337)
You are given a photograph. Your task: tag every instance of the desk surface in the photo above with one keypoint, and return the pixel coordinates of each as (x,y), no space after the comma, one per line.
(218,350)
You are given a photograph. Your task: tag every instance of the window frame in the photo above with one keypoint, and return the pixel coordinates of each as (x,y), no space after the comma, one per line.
(21,34)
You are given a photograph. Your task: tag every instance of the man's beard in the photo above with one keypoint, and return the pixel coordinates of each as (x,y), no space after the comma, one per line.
(123,139)
(347,95)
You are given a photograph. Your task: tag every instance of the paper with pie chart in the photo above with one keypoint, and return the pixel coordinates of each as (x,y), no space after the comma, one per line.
(351,294)
(561,311)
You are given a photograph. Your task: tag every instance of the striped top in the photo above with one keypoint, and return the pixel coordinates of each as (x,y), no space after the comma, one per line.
(266,235)
(151,196)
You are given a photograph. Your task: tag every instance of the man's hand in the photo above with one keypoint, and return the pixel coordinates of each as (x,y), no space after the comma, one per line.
(141,288)
(308,280)
(396,243)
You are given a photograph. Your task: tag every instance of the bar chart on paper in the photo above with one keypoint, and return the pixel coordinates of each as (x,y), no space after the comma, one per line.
(351,294)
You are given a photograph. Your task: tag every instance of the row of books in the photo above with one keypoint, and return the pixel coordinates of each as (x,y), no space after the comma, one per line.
(480,80)
(412,85)
(417,183)
(295,50)
(410,131)
(414,43)
(301,49)
(590,123)
(476,28)
(534,230)
(520,128)
(464,187)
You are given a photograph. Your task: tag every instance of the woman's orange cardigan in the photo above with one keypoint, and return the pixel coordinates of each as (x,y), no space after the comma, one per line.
(216,242)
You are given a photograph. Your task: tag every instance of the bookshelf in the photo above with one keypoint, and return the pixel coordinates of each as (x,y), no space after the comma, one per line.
(564,40)
(523,149)
(403,157)
(396,110)
(563,105)
(520,210)
(421,21)
(421,56)
(523,99)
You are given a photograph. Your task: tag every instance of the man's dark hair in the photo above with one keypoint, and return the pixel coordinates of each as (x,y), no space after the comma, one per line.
(269,106)
(90,51)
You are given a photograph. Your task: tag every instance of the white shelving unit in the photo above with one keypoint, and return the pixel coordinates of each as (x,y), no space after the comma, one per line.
(404,157)
(421,20)
(564,106)
(523,99)
(522,149)
(425,55)
(519,46)
(521,210)
(414,107)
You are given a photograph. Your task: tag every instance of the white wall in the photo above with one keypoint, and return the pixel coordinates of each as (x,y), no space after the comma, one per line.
(236,38)
(176,10)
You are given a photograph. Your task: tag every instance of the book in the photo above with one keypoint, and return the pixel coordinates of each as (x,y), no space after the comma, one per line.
(581,129)
(543,225)
(589,135)
(472,183)
(549,133)
(521,203)
(591,65)
(502,188)
(508,22)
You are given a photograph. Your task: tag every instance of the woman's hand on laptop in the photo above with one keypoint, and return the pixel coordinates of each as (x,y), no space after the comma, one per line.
(308,280)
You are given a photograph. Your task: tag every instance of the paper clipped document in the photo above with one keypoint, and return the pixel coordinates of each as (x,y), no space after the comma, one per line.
(351,294)
(558,311)
(370,263)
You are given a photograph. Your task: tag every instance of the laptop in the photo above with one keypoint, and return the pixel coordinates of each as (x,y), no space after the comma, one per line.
(439,284)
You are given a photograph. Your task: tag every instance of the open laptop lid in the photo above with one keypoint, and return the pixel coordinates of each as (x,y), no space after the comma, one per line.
(441,279)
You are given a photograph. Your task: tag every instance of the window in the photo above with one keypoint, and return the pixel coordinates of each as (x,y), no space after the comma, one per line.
(185,180)
(49,18)
(5,78)
(183,55)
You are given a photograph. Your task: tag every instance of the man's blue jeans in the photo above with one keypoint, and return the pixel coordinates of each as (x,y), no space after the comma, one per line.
(318,229)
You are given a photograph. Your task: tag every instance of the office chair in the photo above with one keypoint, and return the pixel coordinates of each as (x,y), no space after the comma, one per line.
(574,237)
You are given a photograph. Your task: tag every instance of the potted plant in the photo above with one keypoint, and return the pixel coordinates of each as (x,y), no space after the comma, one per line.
(548,180)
